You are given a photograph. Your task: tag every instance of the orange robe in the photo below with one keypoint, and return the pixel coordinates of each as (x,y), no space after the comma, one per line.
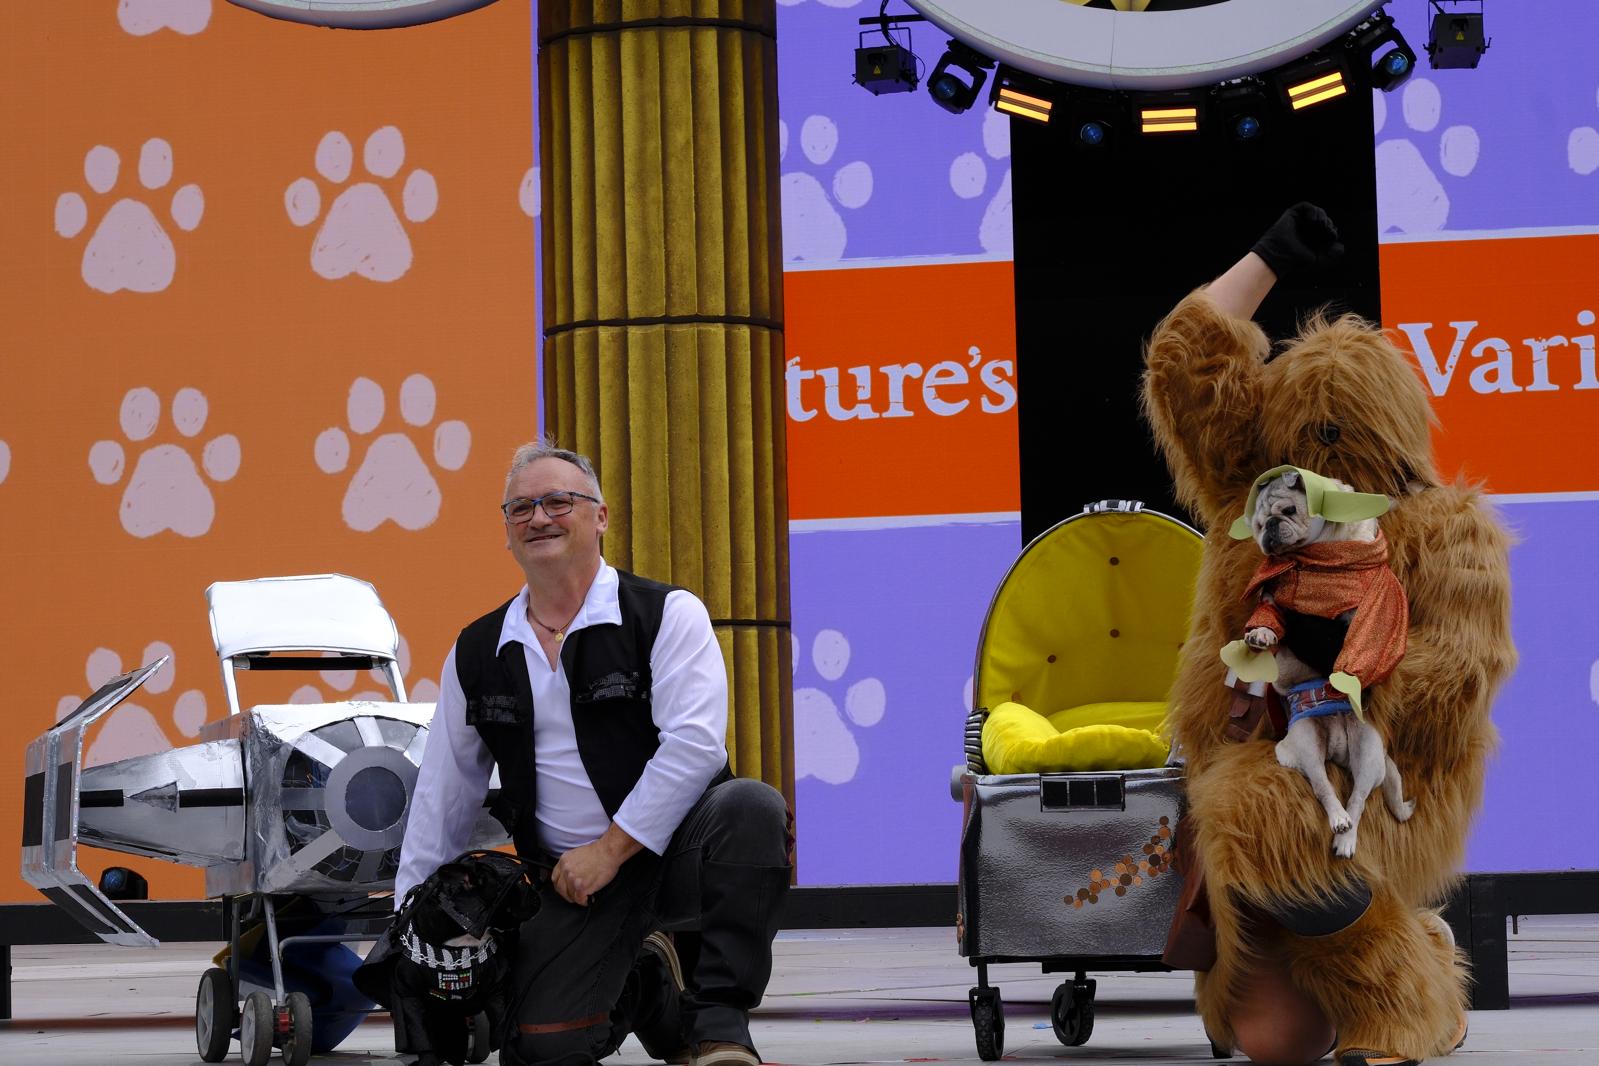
(1326,580)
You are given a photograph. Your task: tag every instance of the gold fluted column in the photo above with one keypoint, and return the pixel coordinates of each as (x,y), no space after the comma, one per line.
(663,310)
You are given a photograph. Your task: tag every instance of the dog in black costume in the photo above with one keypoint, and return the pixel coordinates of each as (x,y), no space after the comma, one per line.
(443,960)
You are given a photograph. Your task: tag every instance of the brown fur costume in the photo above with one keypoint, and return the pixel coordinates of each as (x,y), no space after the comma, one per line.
(1221,413)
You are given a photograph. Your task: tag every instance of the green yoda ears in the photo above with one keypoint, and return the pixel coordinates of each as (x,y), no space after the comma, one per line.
(1322,496)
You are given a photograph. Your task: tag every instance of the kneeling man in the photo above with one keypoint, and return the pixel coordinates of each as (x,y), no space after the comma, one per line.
(602,699)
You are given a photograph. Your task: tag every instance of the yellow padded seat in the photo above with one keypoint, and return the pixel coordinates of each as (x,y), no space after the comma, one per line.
(1097,736)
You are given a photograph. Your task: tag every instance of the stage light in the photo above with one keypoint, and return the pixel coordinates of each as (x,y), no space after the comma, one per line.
(948,88)
(1017,95)
(1315,82)
(887,65)
(1240,107)
(1378,41)
(1093,134)
(1455,40)
(119,882)
(1177,119)
(885,68)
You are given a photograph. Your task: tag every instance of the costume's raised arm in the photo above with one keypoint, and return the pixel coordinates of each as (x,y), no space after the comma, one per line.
(1202,396)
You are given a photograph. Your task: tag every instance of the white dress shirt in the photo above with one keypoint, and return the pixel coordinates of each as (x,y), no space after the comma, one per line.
(688,703)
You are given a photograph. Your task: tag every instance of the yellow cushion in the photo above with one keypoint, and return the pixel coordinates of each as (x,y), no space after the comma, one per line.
(1019,740)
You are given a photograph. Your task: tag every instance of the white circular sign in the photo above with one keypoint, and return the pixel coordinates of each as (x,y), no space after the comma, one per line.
(1145,50)
(362,14)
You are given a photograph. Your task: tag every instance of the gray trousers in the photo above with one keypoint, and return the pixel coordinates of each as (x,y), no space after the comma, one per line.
(579,985)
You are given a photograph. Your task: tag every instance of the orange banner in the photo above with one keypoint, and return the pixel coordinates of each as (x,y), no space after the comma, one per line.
(1503,335)
(901,391)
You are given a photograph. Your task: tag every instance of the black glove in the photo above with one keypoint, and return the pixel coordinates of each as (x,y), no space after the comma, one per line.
(1302,240)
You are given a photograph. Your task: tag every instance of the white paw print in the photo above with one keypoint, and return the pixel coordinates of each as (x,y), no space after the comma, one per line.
(1411,198)
(165,490)
(342,681)
(1582,149)
(129,248)
(361,233)
(812,230)
(142,17)
(393,482)
(968,179)
(527,194)
(131,729)
(824,745)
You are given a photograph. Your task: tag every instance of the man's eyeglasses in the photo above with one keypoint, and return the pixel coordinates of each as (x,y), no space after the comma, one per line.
(555,505)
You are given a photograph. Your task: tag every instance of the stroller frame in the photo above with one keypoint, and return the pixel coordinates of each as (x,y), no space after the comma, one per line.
(1105,802)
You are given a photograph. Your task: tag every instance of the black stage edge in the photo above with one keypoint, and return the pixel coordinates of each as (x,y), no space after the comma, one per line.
(1108,239)
(1477,911)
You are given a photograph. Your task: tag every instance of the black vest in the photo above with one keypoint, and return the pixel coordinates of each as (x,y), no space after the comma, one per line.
(608,671)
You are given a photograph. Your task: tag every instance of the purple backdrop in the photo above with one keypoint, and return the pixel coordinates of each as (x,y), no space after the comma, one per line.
(890,616)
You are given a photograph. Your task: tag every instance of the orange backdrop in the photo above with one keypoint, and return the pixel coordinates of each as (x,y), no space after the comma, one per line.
(240,345)
(1503,333)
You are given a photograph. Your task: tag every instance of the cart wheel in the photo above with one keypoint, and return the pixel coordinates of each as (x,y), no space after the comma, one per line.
(255,1029)
(988,1022)
(1071,1012)
(297,1043)
(214,1008)
(477,1038)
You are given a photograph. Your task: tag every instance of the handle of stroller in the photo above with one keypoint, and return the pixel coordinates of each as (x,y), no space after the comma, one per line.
(1120,506)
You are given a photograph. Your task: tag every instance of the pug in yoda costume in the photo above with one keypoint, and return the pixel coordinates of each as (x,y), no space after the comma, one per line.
(1329,622)
(1313,950)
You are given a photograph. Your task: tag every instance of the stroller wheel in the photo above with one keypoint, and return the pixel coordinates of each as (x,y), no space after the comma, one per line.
(1071,1012)
(256,1022)
(297,1046)
(988,1022)
(477,1038)
(214,1008)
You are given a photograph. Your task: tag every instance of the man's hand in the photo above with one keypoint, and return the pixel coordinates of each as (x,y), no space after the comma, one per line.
(585,870)
(1304,239)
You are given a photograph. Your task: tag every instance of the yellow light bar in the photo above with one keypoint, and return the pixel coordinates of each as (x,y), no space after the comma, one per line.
(1316,90)
(1170,119)
(1016,103)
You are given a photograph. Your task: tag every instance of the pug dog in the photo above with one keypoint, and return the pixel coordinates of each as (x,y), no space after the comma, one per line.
(1288,518)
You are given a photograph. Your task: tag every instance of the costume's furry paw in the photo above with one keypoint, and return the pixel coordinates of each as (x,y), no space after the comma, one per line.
(1403,812)
(1344,844)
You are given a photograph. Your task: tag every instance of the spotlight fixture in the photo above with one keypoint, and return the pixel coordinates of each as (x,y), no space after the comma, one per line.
(1177,114)
(1091,119)
(949,89)
(1392,59)
(1314,83)
(1020,96)
(887,66)
(1239,108)
(119,882)
(1455,40)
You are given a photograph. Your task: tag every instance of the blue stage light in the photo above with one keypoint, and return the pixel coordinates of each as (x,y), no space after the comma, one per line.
(1247,127)
(1091,134)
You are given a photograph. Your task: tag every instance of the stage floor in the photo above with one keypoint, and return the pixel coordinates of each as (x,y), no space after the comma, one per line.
(837,996)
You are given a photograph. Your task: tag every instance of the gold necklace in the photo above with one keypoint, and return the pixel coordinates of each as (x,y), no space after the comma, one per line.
(558,634)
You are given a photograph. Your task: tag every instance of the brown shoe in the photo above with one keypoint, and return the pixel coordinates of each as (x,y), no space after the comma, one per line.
(660,945)
(723,1053)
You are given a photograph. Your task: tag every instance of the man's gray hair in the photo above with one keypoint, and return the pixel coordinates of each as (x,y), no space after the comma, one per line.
(545,448)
